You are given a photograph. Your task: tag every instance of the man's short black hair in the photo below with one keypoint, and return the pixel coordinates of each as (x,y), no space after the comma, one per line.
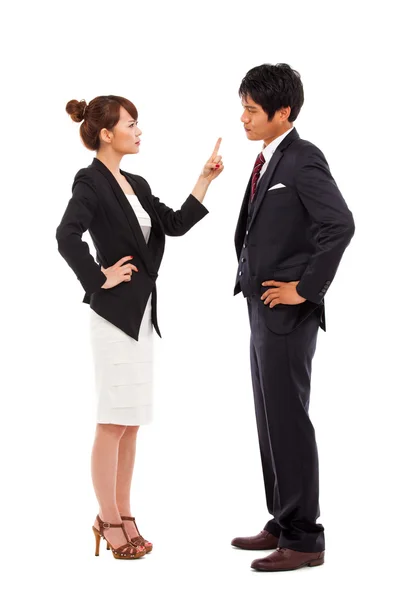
(274,87)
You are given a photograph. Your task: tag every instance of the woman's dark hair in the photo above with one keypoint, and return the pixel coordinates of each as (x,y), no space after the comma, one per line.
(102,111)
(274,87)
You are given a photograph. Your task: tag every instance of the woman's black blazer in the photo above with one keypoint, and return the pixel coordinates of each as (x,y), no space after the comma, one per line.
(99,205)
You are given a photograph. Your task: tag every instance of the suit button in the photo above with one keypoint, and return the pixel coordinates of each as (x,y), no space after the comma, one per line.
(244,245)
(240,272)
(243,259)
(247,232)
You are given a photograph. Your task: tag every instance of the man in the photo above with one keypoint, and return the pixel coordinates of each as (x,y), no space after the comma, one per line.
(293,228)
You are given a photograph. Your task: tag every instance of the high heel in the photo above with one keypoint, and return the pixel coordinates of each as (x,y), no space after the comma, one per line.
(123,552)
(139,539)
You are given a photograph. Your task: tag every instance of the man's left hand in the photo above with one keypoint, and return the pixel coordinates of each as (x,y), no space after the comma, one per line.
(281,293)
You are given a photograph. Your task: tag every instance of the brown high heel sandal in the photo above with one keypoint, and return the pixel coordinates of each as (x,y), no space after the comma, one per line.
(139,540)
(123,552)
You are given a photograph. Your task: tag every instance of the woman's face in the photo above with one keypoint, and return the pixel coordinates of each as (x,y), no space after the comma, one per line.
(124,137)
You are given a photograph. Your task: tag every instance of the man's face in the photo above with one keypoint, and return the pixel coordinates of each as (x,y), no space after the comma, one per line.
(256,123)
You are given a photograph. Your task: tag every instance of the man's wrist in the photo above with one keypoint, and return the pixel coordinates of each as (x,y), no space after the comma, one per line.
(299,291)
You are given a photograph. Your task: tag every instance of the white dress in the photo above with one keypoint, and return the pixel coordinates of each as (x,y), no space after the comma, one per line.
(123,366)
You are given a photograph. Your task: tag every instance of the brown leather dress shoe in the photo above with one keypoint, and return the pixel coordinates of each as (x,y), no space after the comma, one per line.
(285,559)
(262,541)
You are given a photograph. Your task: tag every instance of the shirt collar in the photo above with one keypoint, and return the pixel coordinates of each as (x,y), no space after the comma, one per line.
(270,149)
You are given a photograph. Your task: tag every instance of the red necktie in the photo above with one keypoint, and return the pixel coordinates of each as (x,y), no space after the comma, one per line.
(256,174)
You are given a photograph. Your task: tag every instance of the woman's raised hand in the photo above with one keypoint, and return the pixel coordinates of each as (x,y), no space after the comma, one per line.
(118,273)
(214,166)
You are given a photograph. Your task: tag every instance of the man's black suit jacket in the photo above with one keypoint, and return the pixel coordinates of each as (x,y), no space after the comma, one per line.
(297,232)
(99,205)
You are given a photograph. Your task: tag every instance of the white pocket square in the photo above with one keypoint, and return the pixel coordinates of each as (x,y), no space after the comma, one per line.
(275,187)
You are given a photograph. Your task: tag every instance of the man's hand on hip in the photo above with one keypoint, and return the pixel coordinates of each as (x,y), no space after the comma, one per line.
(281,293)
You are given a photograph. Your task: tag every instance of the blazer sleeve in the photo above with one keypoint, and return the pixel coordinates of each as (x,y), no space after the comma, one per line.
(77,218)
(178,222)
(327,208)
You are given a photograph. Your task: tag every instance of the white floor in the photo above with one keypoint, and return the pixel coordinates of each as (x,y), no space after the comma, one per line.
(190,507)
(188,562)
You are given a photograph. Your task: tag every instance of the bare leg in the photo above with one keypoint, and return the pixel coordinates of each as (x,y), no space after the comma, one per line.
(104,476)
(126,461)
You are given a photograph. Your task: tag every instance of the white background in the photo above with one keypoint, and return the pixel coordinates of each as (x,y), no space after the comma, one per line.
(197,481)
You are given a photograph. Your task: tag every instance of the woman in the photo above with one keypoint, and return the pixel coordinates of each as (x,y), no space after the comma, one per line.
(128,226)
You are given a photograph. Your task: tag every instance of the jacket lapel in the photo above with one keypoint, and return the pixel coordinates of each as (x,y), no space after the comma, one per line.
(242,220)
(128,210)
(143,197)
(264,183)
(266,178)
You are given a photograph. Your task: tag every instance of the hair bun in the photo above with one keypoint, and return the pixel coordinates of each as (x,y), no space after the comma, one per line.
(76,110)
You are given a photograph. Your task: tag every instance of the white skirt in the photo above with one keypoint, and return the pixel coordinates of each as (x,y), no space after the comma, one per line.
(123,371)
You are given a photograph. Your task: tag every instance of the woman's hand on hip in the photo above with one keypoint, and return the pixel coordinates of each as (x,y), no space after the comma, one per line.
(214,166)
(118,272)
